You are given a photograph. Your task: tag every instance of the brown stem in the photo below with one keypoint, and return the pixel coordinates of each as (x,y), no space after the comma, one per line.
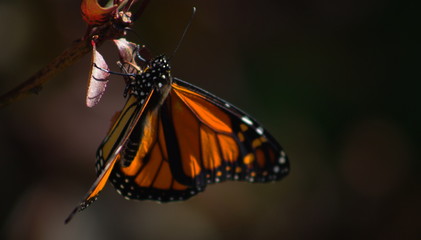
(34,84)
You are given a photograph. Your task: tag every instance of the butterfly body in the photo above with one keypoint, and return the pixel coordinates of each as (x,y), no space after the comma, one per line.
(172,139)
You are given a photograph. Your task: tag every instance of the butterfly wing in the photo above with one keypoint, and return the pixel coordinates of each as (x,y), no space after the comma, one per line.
(217,141)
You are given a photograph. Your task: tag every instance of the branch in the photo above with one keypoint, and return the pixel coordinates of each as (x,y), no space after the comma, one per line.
(34,84)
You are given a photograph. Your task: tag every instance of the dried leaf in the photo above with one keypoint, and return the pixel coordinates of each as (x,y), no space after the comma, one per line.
(132,54)
(126,49)
(98,78)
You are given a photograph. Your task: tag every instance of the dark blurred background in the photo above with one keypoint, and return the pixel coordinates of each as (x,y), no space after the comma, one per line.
(336,82)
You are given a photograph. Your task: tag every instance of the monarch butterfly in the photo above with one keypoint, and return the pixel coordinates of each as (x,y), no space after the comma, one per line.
(172,139)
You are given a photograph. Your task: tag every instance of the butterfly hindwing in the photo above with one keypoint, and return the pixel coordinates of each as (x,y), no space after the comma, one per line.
(149,175)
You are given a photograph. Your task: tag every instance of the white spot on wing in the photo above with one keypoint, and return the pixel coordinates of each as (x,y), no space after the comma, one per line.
(282,160)
(247,120)
(259,130)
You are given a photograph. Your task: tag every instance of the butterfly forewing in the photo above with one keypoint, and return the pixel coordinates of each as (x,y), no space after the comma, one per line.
(232,144)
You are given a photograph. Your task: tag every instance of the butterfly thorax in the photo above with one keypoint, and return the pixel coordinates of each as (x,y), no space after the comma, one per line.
(156,77)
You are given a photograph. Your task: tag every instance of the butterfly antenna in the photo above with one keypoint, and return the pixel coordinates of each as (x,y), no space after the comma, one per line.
(184,33)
